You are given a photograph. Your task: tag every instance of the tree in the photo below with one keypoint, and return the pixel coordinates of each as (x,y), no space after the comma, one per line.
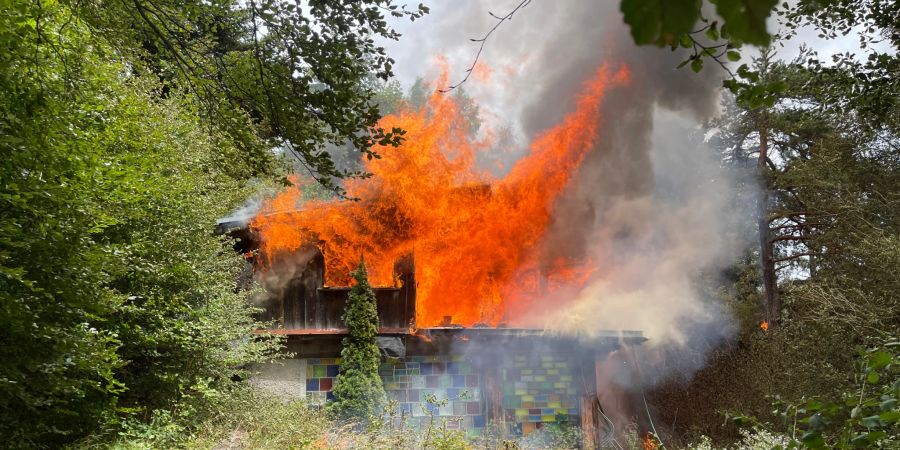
(299,70)
(116,301)
(358,390)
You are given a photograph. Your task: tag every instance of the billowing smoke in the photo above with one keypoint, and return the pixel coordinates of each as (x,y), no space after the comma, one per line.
(650,206)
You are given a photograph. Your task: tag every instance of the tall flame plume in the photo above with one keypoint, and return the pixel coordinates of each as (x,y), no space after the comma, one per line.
(475,236)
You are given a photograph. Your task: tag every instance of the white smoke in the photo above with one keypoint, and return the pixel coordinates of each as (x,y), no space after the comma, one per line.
(651,205)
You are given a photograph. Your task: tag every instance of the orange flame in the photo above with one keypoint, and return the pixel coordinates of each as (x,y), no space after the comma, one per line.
(649,443)
(482,73)
(764,325)
(473,235)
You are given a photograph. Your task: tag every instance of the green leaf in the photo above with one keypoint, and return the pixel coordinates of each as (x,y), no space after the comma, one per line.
(731,85)
(651,21)
(861,440)
(872,377)
(733,56)
(697,64)
(879,360)
(871,422)
(746,19)
(889,416)
(813,439)
(778,87)
(712,33)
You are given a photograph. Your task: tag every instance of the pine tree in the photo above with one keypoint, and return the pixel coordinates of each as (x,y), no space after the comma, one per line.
(358,391)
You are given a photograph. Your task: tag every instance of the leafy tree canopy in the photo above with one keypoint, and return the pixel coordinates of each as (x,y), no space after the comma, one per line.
(301,71)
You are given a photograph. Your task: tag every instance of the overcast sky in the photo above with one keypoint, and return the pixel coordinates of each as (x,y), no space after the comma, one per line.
(448,28)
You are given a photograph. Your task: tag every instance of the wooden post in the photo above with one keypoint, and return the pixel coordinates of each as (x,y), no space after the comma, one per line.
(588,429)
(493,397)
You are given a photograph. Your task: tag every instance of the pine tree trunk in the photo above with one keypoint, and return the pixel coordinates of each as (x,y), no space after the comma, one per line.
(766,259)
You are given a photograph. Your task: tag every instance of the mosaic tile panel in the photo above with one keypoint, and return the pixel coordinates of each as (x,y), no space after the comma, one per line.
(539,388)
(411,382)
(320,375)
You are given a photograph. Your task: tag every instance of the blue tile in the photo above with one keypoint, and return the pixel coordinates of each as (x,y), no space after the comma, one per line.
(459,381)
(332,370)
(478,421)
(312,384)
(453,368)
(452,394)
(329,396)
(425,368)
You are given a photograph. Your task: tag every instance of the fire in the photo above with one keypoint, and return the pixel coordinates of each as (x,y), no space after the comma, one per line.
(649,443)
(764,325)
(482,73)
(474,236)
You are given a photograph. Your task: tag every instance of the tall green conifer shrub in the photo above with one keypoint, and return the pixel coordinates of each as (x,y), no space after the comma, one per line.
(358,391)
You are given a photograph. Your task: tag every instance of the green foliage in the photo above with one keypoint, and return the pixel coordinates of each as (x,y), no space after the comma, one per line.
(437,435)
(831,175)
(116,299)
(300,71)
(659,21)
(867,417)
(358,391)
(665,22)
(745,20)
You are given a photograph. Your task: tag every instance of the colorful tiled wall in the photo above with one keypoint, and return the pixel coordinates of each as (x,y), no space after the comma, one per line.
(320,375)
(450,379)
(538,389)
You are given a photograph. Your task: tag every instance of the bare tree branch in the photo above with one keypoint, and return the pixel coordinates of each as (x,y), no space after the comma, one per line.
(483,40)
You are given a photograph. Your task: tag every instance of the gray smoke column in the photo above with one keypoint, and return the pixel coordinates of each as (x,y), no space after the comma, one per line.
(650,205)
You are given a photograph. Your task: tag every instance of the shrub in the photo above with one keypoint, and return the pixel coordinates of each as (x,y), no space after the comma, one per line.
(358,391)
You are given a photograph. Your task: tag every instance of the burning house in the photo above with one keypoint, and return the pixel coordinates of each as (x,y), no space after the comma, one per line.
(462,278)
(512,379)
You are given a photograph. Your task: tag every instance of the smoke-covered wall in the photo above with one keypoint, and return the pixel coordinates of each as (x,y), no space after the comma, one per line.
(650,205)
